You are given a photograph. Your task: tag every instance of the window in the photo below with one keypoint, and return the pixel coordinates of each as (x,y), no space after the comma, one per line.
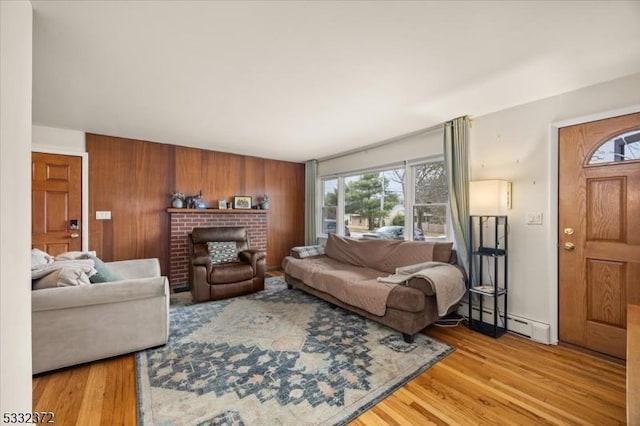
(373,204)
(625,147)
(431,200)
(329,205)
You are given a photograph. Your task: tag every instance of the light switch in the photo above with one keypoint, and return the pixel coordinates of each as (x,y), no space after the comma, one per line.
(103,215)
(534,218)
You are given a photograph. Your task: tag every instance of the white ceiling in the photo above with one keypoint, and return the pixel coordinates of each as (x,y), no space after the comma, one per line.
(299,80)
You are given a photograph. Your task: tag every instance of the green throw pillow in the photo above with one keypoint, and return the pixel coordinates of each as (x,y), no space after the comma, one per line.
(222,252)
(104,274)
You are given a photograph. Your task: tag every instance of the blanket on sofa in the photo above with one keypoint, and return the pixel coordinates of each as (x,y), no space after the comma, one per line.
(86,266)
(446,280)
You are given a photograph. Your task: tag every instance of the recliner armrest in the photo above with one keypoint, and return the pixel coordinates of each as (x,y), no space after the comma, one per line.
(252,257)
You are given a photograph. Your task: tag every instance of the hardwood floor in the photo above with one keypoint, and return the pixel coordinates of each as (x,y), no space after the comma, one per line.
(97,393)
(510,380)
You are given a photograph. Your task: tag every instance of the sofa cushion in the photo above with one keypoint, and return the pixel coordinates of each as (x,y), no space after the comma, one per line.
(222,252)
(355,289)
(386,255)
(406,299)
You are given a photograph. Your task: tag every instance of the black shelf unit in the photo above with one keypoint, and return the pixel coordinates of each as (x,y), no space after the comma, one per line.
(488,244)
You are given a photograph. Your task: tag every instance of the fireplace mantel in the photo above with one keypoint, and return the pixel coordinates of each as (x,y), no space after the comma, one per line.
(217,211)
(182,222)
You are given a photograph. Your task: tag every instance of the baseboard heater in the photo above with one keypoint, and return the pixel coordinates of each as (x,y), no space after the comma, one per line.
(534,330)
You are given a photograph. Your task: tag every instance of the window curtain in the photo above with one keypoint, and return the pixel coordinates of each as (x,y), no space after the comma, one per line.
(456,154)
(311,171)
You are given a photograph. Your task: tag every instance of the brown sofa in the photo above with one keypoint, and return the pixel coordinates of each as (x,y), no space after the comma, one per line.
(208,281)
(348,273)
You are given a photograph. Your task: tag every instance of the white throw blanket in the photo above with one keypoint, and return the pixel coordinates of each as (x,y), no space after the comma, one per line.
(85,265)
(446,280)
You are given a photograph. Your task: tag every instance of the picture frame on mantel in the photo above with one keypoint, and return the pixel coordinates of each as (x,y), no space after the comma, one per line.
(222,204)
(242,202)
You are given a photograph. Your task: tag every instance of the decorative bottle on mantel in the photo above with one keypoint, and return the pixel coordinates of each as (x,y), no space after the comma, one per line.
(264,205)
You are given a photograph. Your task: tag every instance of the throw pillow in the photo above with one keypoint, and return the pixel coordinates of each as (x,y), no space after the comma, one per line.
(222,252)
(104,274)
(302,252)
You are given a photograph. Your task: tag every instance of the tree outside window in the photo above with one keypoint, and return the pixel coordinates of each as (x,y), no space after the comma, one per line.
(369,198)
(431,201)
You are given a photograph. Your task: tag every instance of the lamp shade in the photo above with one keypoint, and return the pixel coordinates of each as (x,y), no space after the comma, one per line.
(489,197)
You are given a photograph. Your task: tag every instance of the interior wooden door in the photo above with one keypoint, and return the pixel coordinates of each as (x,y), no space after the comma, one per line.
(599,231)
(56,202)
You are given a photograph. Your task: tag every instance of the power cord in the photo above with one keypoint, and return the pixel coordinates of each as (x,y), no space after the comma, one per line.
(452,320)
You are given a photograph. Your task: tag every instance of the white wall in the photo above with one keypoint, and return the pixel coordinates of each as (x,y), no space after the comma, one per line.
(515,144)
(15,213)
(416,146)
(63,140)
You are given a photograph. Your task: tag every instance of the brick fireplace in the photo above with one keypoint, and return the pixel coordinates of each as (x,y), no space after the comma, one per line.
(182,221)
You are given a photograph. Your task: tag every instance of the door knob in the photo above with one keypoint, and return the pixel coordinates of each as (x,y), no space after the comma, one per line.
(569,246)
(74,235)
(568,231)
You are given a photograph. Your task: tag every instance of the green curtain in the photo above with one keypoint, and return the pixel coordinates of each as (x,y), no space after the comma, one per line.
(456,154)
(310,169)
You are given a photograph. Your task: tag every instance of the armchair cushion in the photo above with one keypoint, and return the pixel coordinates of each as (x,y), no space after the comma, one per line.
(230,273)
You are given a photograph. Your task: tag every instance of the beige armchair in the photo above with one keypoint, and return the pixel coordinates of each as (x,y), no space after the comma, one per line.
(77,324)
(208,281)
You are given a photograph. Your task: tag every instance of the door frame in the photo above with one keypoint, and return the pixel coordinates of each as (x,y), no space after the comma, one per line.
(553,179)
(84,183)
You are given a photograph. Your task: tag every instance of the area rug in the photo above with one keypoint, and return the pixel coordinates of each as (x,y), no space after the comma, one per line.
(276,357)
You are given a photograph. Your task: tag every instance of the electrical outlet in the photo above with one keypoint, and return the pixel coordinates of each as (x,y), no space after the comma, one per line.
(534,218)
(103,215)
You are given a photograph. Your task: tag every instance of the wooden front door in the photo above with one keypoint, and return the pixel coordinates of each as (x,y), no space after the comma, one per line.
(599,232)
(56,202)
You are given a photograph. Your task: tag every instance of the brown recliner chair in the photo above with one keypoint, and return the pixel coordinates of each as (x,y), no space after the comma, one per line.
(208,281)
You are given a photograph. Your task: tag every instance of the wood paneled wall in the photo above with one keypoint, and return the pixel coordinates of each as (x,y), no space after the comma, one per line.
(133,180)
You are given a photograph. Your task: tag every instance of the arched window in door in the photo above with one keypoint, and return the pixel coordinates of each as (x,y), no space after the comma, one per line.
(624,147)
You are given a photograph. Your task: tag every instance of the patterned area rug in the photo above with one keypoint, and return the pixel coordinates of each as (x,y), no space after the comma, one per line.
(277,357)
